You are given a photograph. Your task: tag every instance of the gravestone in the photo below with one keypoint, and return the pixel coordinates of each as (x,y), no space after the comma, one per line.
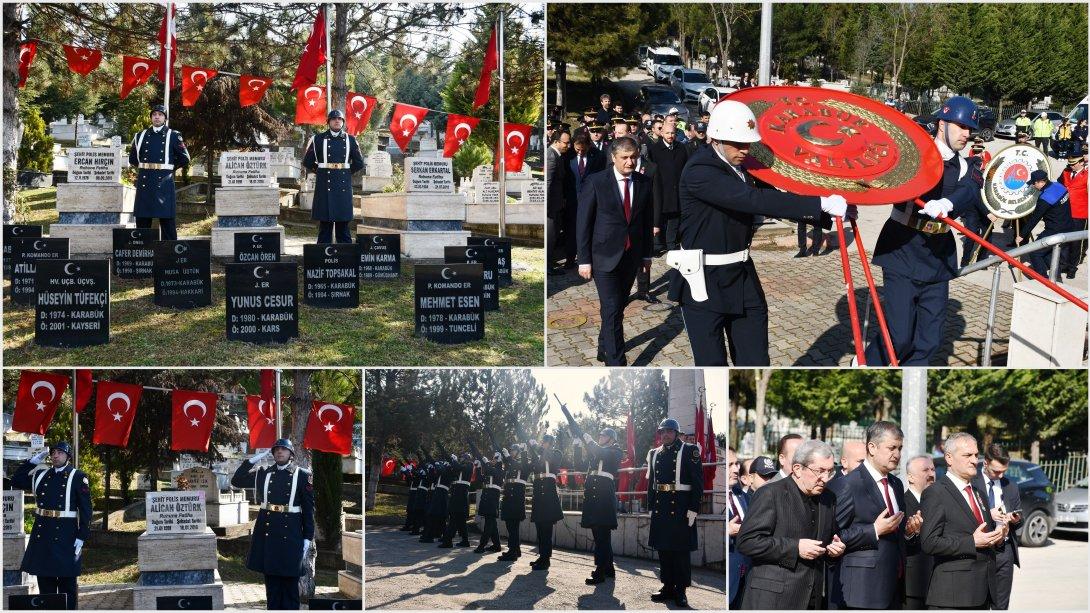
(515,180)
(350,580)
(16,582)
(247,202)
(221,508)
(380,256)
(257,247)
(13,231)
(487,192)
(177,555)
(503,255)
(26,253)
(429,176)
(533,192)
(72,303)
(331,276)
(285,166)
(449,302)
(486,257)
(378,172)
(93,202)
(134,252)
(183,273)
(262,302)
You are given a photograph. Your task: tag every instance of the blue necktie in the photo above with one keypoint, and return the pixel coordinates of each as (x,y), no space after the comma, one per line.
(991,494)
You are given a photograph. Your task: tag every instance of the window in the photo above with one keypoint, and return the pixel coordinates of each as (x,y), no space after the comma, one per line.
(662,96)
(667,59)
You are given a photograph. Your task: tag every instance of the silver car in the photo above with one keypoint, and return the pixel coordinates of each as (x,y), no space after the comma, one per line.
(689,83)
(1071,508)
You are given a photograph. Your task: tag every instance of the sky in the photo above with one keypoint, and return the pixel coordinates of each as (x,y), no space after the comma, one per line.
(569,384)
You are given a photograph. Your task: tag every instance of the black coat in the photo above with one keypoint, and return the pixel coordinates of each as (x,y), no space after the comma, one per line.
(513,505)
(963,576)
(670,529)
(51,549)
(918,565)
(717,214)
(545,507)
(333,186)
(555,178)
(444,475)
(155,196)
(459,492)
(599,492)
(601,228)
(276,544)
(488,499)
(424,487)
(671,162)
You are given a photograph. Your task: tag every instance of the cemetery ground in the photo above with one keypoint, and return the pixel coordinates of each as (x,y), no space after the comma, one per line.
(380,331)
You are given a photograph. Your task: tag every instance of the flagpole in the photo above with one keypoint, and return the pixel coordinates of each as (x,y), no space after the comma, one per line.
(501,226)
(328,82)
(167,72)
(75,421)
(279,413)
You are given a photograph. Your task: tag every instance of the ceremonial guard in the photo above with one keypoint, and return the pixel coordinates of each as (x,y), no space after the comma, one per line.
(599,495)
(546,511)
(285,493)
(458,505)
(917,252)
(335,156)
(157,152)
(442,476)
(490,477)
(715,280)
(62,522)
(513,505)
(408,475)
(675,485)
(424,487)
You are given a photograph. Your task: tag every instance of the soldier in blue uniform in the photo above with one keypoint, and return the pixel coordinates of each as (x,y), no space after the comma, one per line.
(335,156)
(545,508)
(917,252)
(408,474)
(437,505)
(157,152)
(513,504)
(600,496)
(62,522)
(675,484)
(458,506)
(490,477)
(1054,207)
(424,487)
(284,529)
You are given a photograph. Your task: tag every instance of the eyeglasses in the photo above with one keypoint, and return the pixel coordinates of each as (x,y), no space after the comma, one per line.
(821,473)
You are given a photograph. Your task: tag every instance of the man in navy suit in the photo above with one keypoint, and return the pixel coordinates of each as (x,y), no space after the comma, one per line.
(871,520)
(583,161)
(737,505)
(1002,498)
(613,234)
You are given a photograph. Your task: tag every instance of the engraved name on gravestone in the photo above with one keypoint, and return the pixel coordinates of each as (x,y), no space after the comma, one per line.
(175,512)
(94,165)
(429,176)
(246,169)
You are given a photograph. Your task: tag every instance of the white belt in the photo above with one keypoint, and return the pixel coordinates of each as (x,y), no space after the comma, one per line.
(691,262)
(412,488)
(280,508)
(446,487)
(722,259)
(546,475)
(52,513)
(494,486)
(600,473)
(333,166)
(150,166)
(460,482)
(519,481)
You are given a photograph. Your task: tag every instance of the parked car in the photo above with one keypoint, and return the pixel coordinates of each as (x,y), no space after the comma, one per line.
(641,55)
(1037,499)
(663,62)
(1071,508)
(1006,127)
(689,83)
(660,100)
(710,95)
(986,122)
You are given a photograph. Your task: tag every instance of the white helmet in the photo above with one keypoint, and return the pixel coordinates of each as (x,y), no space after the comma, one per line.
(733,121)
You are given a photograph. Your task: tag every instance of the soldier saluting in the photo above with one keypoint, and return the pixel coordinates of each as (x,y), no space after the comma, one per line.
(490,476)
(458,505)
(284,529)
(62,521)
(335,156)
(675,484)
(545,510)
(157,152)
(513,505)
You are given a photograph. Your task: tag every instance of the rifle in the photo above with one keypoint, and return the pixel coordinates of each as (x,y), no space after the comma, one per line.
(577,432)
(476,452)
(427,457)
(492,438)
(443,453)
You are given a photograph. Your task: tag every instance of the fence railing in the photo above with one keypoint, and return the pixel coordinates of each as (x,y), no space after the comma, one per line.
(1065,473)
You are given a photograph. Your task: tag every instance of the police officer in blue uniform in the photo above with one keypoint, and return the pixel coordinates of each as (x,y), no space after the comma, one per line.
(458,505)
(157,152)
(335,156)
(917,252)
(490,478)
(62,522)
(600,497)
(675,484)
(1054,207)
(513,505)
(545,508)
(284,529)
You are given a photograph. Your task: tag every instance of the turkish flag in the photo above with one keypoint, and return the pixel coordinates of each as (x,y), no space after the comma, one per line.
(268,383)
(164,26)
(82,60)
(357,112)
(698,428)
(188,430)
(115,410)
(404,123)
(27,51)
(251,89)
(261,415)
(37,400)
(329,427)
(314,55)
(459,127)
(629,460)
(193,81)
(135,71)
(516,138)
(84,387)
(711,456)
(491,62)
(310,106)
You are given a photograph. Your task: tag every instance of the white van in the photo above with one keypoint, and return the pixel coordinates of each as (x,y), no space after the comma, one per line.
(661,62)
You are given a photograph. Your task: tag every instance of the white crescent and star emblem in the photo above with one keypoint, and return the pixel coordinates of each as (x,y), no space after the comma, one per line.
(327,251)
(401,122)
(443,273)
(330,407)
(362,99)
(143,65)
(471,253)
(255,239)
(522,141)
(261,409)
(489,242)
(47,385)
(306,94)
(259,82)
(69,272)
(375,239)
(16,230)
(38,245)
(469,130)
(183,603)
(134,234)
(198,403)
(114,396)
(258,270)
(179,248)
(34,601)
(22,52)
(193,77)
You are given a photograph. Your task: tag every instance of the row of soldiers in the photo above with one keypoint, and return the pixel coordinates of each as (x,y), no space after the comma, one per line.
(439,495)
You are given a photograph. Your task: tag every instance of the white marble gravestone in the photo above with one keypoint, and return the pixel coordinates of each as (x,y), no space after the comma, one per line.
(177,555)
(378,172)
(248,201)
(15,542)
(93,201)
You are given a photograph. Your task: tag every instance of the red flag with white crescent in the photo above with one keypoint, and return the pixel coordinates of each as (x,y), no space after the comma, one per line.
(329,427)
(82,60)
(405,121)
(357,112)
(313,55)
(168,25)
(459,127)
(27,51)
(310,106)
(85,387)
(37,400)
(261,415)
(516,139)
(251,89)
(491,62)
(115,410)
(135,71)
(191,419)
(193,81)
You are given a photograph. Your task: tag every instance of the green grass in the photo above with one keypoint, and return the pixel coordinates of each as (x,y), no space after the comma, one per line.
(379,332)
(388,505)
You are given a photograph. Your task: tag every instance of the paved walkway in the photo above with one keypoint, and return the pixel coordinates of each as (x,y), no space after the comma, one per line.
(402,573)
(1053,576)
(235,596)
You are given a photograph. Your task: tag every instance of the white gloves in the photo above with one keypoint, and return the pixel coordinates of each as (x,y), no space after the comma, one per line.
(834,205)
(38,457)
(692,516)
(79,547)
(587,438)
(534,443)
(259,456)
(938,208)
(505,453)
(306,546)
(453,458)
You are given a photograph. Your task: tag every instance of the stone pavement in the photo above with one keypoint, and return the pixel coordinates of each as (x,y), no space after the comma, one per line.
(236,595)
(1053,576)
(402,573)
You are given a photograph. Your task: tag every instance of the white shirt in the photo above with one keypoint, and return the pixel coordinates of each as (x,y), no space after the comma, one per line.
(997,489)
(960,484)
(284,467)
(620,185)
(737,171)
(159,129)
(336,134)
(877,476)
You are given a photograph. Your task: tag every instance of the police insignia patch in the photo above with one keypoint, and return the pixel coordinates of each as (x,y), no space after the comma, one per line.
(696,454)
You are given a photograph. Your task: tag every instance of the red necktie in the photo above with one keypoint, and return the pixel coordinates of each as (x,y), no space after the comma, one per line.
(732,505)
(627,213)
(972,503)
(889,503)
(582,166)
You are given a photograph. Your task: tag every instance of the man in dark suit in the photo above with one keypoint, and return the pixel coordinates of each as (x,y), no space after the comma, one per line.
(1002,498)
(583,161)
(737,505)
(650,170)
(554,198)
(851,454)
(871,521)
(614,240)
(959,533)
(670,158)
(790,535)
(918,565)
